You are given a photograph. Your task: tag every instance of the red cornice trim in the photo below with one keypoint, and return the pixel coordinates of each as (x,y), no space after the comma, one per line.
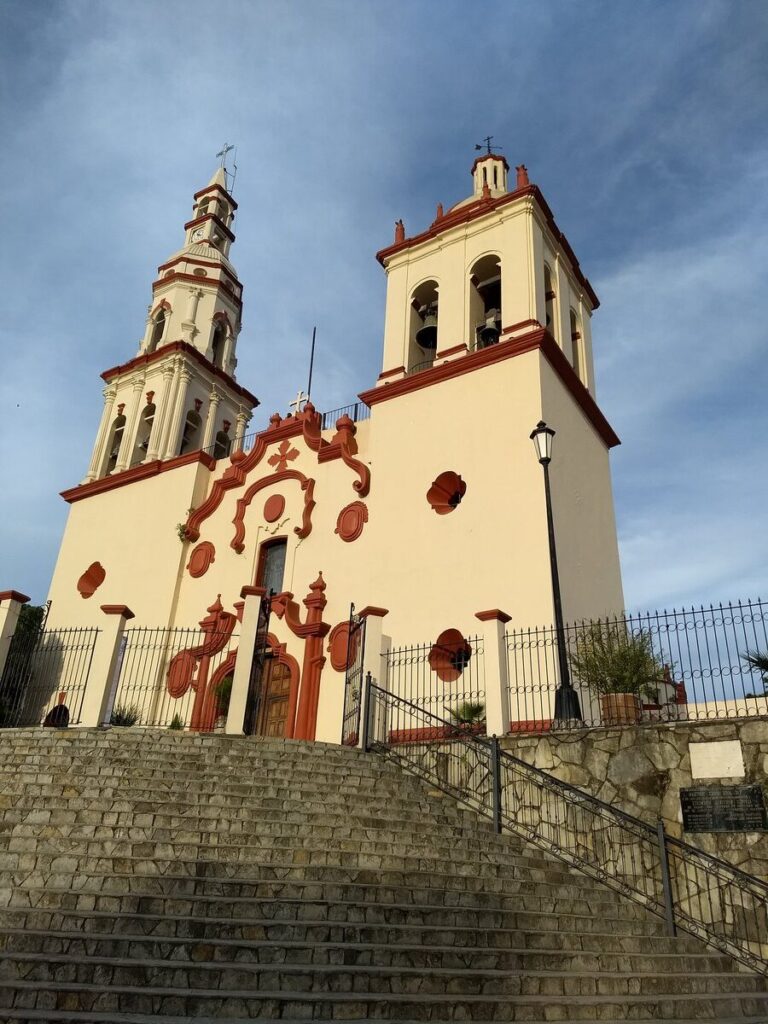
(189,350)
(450,351)
(202,281)
(489,156)
(129,476)
(210,216)
(200,263)
(252,591)
(118,609)
(391,373)
(478,209)
(493,615)
(519,326)
(216,188)
(13,595)
(373,611)
(538,339)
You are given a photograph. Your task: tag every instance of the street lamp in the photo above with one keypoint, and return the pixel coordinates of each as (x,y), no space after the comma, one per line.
(567,707)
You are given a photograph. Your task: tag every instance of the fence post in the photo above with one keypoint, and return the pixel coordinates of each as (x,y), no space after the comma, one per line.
(249,627)
(496,673)
(11,603)
(98,688)
(375,646)
(367,710)
(669,910)
(496,781)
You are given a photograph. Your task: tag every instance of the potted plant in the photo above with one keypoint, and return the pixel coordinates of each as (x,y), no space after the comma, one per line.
(469,716)
(621,667)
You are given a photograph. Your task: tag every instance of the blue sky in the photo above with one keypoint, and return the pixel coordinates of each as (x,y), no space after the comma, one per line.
(644,123)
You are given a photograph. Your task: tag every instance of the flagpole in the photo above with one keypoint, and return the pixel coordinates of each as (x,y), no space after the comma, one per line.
(311,363)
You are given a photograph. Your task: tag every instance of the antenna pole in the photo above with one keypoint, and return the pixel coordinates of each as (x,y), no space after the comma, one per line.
(311,362)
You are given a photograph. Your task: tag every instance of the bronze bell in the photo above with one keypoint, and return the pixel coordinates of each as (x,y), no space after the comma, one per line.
(426,336)
(488,333)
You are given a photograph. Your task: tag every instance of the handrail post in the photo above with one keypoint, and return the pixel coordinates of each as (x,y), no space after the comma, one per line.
(669,910)
(496,782)
(367,710)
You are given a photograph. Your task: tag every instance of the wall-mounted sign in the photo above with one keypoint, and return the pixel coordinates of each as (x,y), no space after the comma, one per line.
(724,809)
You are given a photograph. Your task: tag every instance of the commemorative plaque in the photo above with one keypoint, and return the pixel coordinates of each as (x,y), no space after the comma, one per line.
(724,809)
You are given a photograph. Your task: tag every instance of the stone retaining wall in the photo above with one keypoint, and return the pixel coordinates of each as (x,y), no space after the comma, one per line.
(641,770)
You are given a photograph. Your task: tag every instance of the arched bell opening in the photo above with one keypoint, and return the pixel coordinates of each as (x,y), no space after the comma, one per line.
(113,445)
(577,361)
(158,329)
(190,439)
(223,442)
(485,301)
(143,434)
(422,344)
(218,343)
(550,321)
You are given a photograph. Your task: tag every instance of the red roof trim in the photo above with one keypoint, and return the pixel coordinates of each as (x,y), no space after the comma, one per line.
(216,188)
(490,156)
(200,263)
(479,209)
(538,339)
(187,349)
(215,219)
(129,476)
(214,282)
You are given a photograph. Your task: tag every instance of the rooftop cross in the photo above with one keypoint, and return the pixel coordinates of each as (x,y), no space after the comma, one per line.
(298,400)
(223,154)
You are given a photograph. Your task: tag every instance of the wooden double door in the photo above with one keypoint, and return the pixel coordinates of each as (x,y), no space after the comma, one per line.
(273,700)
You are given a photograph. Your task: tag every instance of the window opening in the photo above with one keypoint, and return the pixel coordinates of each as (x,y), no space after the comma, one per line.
(485,301)
(217,347)
(223,443)
(144,432)
(549,298)
(115,440)
(191,435)
(576,360)
(423,327)
(271,570)
(158,329)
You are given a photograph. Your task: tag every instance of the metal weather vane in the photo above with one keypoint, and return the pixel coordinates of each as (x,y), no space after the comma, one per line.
(486,144)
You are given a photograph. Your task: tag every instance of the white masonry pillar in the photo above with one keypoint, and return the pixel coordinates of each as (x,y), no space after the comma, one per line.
(249,627)
(110,394)
(496,674)
(210,424)
(176,425)
(161,414)
(105,666)
(11,603)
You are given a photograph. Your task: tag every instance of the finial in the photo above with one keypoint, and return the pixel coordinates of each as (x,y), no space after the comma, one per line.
(522,176)
(439,211)
(486,191)
(486,144)
(399,232)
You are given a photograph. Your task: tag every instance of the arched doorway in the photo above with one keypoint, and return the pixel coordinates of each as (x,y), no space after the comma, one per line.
(273,693)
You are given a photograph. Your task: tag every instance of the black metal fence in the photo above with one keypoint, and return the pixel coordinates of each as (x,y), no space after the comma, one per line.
(357,411)
(691,664)
(175,678)
(45,676)
(687,887)
(353,679)
(445,678)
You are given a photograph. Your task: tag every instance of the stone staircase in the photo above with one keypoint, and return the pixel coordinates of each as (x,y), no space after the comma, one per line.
(151,876)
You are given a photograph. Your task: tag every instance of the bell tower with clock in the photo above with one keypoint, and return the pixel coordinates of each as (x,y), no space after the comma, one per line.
(179,394)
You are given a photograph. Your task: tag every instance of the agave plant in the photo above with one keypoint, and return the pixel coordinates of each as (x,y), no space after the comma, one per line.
(759,661)
(610,659)
(468,713)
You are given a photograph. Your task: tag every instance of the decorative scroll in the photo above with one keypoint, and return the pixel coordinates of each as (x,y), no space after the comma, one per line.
(307,486)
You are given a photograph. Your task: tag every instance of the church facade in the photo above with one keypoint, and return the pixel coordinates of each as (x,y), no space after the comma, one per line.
(423,507)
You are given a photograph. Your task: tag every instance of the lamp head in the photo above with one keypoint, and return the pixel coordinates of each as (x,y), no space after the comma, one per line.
(542,440)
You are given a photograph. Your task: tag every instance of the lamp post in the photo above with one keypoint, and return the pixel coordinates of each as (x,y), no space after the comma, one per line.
(567,707)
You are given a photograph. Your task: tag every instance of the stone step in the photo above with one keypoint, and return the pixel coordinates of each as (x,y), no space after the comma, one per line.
(85,1017)
(362,926)
(421,1006)
(36,870)
(179,886)
(340,978)
(453,955)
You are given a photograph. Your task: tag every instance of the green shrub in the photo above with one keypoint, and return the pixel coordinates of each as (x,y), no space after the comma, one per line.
(609,659)
(176,722)
(124,714)
(223,694)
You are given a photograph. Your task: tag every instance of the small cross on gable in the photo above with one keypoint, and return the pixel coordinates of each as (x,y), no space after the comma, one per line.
(298,401)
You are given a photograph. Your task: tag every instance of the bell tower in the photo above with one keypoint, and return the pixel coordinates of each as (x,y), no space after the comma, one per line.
(179,394)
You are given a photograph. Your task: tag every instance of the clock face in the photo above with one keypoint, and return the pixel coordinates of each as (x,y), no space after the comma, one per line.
(197,234)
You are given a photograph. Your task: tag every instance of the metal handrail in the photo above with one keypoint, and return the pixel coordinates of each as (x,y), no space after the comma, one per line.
(689,888)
